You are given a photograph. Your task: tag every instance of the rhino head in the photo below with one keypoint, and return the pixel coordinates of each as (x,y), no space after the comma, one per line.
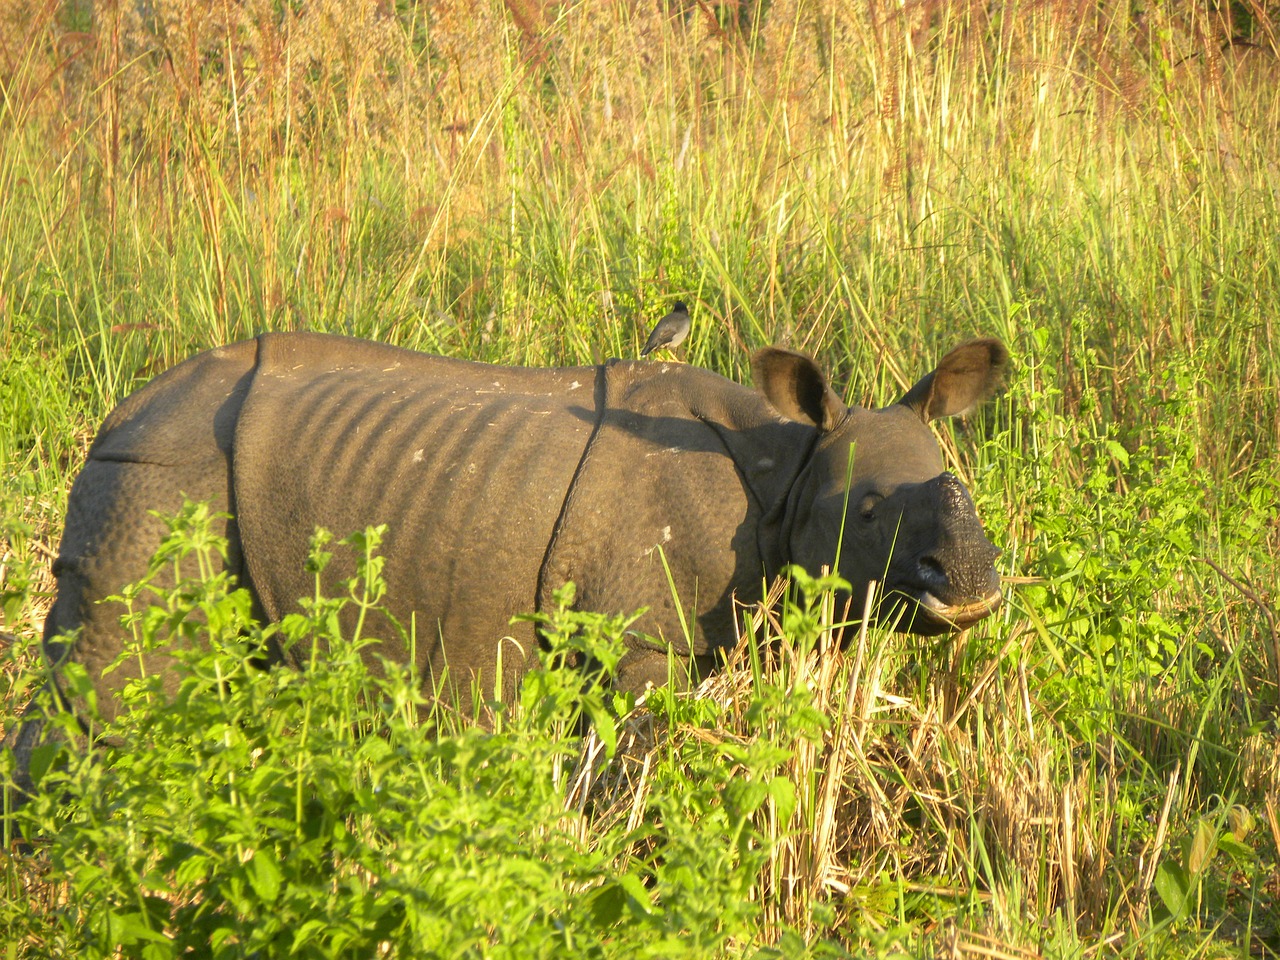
(874,500)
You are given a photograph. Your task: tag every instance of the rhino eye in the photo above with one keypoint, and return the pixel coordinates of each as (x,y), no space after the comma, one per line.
(867,506)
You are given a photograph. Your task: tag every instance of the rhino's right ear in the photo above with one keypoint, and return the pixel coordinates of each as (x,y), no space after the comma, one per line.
(796,388)
(966,376)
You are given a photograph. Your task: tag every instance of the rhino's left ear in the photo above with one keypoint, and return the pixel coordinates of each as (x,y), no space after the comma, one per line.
(796,388)
(966,376)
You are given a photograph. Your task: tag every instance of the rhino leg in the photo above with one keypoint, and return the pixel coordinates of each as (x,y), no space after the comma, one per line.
(109,539)
(645,666)
(22,740)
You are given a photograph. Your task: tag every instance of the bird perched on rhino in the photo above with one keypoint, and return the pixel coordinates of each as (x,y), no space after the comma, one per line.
(670,330)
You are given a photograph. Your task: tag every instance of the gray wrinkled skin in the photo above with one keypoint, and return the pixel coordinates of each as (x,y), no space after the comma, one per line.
(499,484)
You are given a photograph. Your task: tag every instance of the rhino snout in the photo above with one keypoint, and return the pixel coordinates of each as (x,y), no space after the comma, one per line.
(955,580)
(963,572)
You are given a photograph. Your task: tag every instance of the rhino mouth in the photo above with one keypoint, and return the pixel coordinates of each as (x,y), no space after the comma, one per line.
(920,611)
(932,612)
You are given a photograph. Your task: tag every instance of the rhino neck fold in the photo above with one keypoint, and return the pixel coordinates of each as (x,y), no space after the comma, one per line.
(600,393)
(790,509)
(786,448)
(675,503)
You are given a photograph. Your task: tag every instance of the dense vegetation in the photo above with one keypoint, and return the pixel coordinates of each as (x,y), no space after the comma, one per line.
(1095,771)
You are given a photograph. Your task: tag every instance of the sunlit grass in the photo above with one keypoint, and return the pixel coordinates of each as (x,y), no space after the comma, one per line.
(525,185)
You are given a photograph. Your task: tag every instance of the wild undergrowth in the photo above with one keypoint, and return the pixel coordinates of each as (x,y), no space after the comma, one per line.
(1095,770)
(333,812)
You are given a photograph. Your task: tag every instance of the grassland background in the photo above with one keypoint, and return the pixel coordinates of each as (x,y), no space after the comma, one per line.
(1096,183)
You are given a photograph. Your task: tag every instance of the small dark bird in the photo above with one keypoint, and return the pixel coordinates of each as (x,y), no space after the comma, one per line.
(670,331)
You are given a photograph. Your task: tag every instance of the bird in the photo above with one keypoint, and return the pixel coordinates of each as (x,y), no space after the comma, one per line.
(670,331)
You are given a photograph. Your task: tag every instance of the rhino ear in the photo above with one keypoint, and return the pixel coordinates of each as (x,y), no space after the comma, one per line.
(796,388)
(966,376)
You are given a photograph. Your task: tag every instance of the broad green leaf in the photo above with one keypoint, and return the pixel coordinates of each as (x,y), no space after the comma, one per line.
(306,932)
(1174,887)
(641,898)
(191,871)
(264,874)
(130,928)
(607,904)
(1200,851)
(783,793)
(1240,852)
(1117,450)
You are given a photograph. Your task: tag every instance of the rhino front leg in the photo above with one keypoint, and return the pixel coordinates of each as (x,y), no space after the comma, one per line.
(25,738)
(643,667)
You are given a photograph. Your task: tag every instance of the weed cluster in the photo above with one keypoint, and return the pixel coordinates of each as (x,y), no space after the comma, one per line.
(333,813)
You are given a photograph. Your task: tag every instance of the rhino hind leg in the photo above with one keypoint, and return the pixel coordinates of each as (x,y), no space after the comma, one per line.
(111,535)
(109,539)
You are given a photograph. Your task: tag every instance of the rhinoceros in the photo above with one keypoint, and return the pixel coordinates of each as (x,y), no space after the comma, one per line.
(499,484)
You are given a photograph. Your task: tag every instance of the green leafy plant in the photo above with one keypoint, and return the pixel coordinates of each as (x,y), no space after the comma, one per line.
(1210,858)
(327,812)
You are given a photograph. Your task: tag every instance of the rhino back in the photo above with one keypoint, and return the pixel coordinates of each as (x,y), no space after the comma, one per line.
(185,415)
(467,464)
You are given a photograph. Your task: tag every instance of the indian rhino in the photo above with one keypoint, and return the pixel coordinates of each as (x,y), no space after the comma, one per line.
(499,484)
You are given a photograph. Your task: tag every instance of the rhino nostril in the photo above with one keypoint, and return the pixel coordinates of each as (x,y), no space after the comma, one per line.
(932,571)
